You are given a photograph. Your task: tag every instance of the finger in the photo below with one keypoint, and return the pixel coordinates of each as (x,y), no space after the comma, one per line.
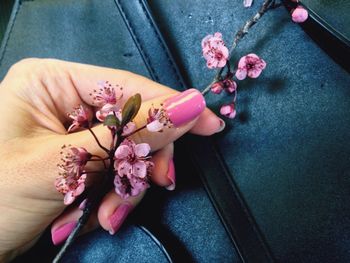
(208,124)
(85,78)
(163,172)
(63,225)
(113,210)
(183,110)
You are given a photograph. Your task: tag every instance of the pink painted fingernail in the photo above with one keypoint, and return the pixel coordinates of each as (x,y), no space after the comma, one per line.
(62,233)
(118,217)
(184,107)
(171,175)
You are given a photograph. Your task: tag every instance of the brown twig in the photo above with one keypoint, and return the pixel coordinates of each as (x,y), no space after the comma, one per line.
(239,35)
(98,142)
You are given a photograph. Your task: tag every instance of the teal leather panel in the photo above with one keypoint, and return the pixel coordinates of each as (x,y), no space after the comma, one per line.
(288,149)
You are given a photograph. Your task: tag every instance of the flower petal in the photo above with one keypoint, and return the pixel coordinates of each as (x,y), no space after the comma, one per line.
(124,168)
(122,152)
(241,74)
(142,149)
(139,169)
(155,126)
(69,198)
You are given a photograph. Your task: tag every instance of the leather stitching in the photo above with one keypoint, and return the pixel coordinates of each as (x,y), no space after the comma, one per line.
(10,26)
(138,44)
(161,43)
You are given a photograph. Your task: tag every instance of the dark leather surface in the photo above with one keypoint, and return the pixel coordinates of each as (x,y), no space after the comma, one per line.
(335,13)
(288,149)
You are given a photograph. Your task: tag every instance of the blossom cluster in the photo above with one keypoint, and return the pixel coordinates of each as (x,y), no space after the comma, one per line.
(130,162)
(217,55)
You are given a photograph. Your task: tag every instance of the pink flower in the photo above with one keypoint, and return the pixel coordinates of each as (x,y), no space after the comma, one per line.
(131,159)
(157,119)
(126,187)
(73,160)
(132,167)
(106,94)
(299,14)
(230,85)
(215,51)
(228,110)
(71,186)
(247,3)
(107,109)
(71,179)
(80,117)
(217,87)
(250,65)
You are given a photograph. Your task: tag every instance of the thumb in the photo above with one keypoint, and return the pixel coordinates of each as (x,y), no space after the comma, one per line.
(182,110)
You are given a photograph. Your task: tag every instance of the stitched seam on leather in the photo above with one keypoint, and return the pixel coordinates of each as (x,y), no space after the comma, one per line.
(138,44)
(161,43)
(10,26)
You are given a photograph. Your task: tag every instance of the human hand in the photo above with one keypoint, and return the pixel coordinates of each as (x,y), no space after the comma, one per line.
(36,96)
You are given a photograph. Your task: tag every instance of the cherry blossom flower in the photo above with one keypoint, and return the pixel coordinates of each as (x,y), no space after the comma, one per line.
(247,3)
(217,87)
(228,110)
(71,179)
(80,117)
(157,119)
(299,14)
(132,167)
(131,159)
(215,51)
(73,160)
(230,85)
(106,110)
(250,65)
(106,94)
(126,187)
(71,186)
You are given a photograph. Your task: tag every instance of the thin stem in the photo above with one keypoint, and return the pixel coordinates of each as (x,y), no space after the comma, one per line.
(216,78)
(135,131)
(94,199)
(98,160)
(99,157)
(251,22)
(239,35)
(98,142)
(94,172)
(81,222)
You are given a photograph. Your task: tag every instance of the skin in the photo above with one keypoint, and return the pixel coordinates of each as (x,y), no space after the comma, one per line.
(36,95)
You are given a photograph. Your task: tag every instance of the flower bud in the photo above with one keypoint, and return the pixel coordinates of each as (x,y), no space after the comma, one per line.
(299,14)
(228,110)
(217,87)
(230,85)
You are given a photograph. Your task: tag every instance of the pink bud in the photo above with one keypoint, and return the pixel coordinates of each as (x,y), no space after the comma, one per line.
(228,110)
(247,3)
(230,85)
(217,87)
(299,14)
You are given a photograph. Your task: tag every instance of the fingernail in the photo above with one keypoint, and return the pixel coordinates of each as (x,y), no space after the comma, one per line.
(222,125)
(184,107)
(118,217)
(62,233)
(171,175)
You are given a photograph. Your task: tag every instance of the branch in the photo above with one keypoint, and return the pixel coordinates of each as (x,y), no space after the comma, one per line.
(239,35)
(98,142)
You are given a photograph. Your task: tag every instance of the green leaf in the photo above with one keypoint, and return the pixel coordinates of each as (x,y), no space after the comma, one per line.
(111,120)
(131,108)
